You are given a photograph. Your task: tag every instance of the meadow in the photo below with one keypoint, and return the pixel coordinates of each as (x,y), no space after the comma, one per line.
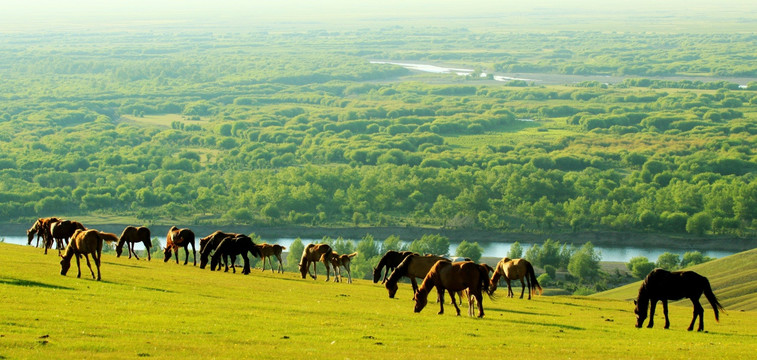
(163,310)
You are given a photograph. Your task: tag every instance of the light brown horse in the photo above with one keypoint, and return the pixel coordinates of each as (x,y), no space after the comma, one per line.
(269,250)
(83,242)
(312,254)
(339,261)
(414,266)
(517,269)
(62,230)
(132,235)
(177,238)
(41,228)
(454,277)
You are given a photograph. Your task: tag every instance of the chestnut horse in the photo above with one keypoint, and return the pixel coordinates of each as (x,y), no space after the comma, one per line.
(663,285)
(312,254)
(339,261)
(516,269)
(62,230)
(132,235)
(41,228)
(231,246)
(209,244)
(390,260)
(267,251)
(414,266)
(177,238)
(454,277)
(83,242)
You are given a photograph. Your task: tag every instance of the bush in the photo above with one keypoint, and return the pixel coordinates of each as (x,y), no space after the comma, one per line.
(640,266)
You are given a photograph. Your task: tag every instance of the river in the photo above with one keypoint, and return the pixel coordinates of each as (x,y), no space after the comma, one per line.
(492,249)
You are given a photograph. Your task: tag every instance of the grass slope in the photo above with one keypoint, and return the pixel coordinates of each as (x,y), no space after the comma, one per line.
(733,279)
(163,310)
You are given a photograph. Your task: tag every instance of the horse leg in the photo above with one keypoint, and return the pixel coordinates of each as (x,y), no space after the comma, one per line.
(281,265)
(97,258)
(147,247)
(698,312)
(480,299)
(349,274)
(78,266)
(246,269)
(326,263)
(523,289)
(652,306)
(509,288)
(452,295)
(86,257)
(665,312)
(134,251)
(440,296)
(314,275)
(186,255)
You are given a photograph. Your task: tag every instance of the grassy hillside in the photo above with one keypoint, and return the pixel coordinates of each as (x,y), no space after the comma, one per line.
(733,279)
(163,310)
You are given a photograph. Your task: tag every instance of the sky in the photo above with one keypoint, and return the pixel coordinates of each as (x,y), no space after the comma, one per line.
(98,15)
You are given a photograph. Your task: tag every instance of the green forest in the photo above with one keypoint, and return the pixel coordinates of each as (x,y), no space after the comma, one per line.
(301,128)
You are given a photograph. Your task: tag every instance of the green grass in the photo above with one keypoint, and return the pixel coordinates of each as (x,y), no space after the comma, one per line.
(163,310)
(733,280)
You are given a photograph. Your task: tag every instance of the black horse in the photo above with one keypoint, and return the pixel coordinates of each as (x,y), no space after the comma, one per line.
(209,244)
(390,260)
(232,246)
(663,285)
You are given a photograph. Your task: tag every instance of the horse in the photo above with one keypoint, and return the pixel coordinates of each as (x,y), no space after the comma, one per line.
(516,269)
(233,246)
(83,242)
(41,228)
(62,230)
(210,243)
(338,261)
(390,260)
(454,277)
(663,285)
(312,254)
(177,238)
(414,266)
(267,251)
(132,235)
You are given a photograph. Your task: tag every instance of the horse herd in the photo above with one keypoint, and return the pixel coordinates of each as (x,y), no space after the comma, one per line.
(456,278)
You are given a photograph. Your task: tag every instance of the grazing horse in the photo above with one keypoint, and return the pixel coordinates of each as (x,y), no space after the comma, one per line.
(390,260)
(210,243)
(339,261)
(312,254)
(663,285)
(41,228)
(454,277)
(83,242)
(177,238)
(132,235)
(414,266)
(267,251)
(232,246)
(62,230)
(516,269)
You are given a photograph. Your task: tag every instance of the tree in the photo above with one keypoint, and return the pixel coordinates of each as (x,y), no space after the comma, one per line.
(668,261)
(431,244)
(584,264)
(516,251)
(699,223)
(691,258)
(472,251)
(295,252)
(640,266)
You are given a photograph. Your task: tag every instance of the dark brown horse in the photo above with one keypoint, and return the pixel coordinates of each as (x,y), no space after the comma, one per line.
(312,254)
(177,238)
(390,260)
(342,261)
(62,230)
(414,266)
(517,269)
(132,235)
(663,285)
(83,242)
(210,243)
(454,277)
(232,246)
(269,250)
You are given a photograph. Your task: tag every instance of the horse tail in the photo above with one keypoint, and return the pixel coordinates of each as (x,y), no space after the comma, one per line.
(712,299)
(532,277)
(484,279)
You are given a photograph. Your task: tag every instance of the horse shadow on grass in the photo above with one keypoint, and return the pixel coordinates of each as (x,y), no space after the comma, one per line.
(23,282)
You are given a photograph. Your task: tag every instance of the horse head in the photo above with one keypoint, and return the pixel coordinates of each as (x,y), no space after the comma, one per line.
(392,287)
(303,268)
(30,234)
(641,314)
(376,275)
(420,302)
(166,254)
(65,264)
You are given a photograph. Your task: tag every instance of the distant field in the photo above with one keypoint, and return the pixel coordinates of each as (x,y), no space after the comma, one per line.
(733,280)
(164,120)
(163,310)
